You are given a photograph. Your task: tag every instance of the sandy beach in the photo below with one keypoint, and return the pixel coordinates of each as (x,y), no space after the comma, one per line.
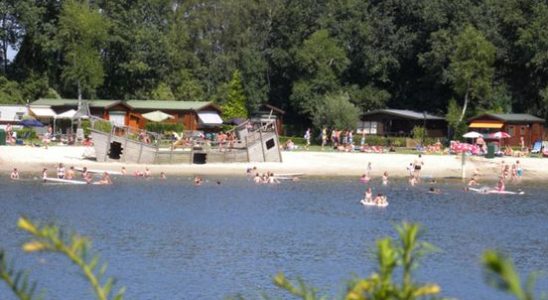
(32,160)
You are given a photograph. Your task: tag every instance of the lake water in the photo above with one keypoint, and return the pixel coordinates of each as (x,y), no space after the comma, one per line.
(172,240)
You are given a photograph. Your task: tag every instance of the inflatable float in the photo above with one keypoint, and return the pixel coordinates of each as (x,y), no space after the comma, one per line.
(367,203)
(495,191)
(59,180)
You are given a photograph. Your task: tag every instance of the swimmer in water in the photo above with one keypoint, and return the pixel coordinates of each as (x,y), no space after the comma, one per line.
(147,173)
(69,174)
(412,180)
(105,179)
(44,174)
(163,175)
(500,185)
(197,180)
(385,178)
(364,178)
(433,190)
(368,195)
(14,174)
(257,179)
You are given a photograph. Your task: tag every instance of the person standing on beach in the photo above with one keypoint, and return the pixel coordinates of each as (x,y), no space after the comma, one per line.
(61,171)
(307,136)
(324,137)
(369,168)
(417,165)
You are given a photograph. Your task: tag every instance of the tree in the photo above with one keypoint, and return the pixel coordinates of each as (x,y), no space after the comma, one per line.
(10,92)
(456,126)
(82,33)
(235,105)
(321,61)
(162,92)
(336,111)
(471,67)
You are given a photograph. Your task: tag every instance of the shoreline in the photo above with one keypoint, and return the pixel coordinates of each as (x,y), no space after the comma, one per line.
(311,164)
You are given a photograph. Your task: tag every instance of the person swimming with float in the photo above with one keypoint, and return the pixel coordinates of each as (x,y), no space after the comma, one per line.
(380,199)
(44,174)
(500,185)
(105,179)
(368,195)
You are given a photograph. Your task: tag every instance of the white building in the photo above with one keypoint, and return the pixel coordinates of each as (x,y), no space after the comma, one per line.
(11,114)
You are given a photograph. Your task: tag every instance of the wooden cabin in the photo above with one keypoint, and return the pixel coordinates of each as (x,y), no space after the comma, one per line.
(194,115)
(115,110)
(398,122)
(529,127)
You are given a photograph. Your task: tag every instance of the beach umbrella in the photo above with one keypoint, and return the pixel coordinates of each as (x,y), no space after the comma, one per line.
(472,135)
(157,116)
(499,135)
(31,123)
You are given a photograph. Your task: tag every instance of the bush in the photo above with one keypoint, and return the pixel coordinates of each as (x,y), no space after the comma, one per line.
(376,140)
(28,133)
(86,125)
(163,127)
(103,126)
(419,133)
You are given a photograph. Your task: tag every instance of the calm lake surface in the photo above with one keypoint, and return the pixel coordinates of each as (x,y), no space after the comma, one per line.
(171,240)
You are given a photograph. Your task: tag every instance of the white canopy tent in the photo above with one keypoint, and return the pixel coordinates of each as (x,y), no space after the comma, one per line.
(43,111)
(70,114)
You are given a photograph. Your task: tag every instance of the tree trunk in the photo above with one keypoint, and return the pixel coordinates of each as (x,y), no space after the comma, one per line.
(79,104)
(466,95)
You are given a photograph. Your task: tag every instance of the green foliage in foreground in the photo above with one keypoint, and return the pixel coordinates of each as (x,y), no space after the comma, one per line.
(50,238)
(404,254)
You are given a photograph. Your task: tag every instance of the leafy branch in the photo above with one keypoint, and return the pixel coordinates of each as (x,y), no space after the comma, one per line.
(17,281)
(380,285)
(500,273)
(49,238)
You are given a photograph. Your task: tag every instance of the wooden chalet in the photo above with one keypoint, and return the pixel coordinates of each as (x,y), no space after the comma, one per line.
(529,127)
(193,115)
(398,122)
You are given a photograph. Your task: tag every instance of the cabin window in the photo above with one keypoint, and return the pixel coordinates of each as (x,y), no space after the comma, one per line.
(522,130)
(270,144)
(368,127)
(511,130)
(19,115)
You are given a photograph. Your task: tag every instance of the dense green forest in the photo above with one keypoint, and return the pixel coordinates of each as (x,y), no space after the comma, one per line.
(316,59)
